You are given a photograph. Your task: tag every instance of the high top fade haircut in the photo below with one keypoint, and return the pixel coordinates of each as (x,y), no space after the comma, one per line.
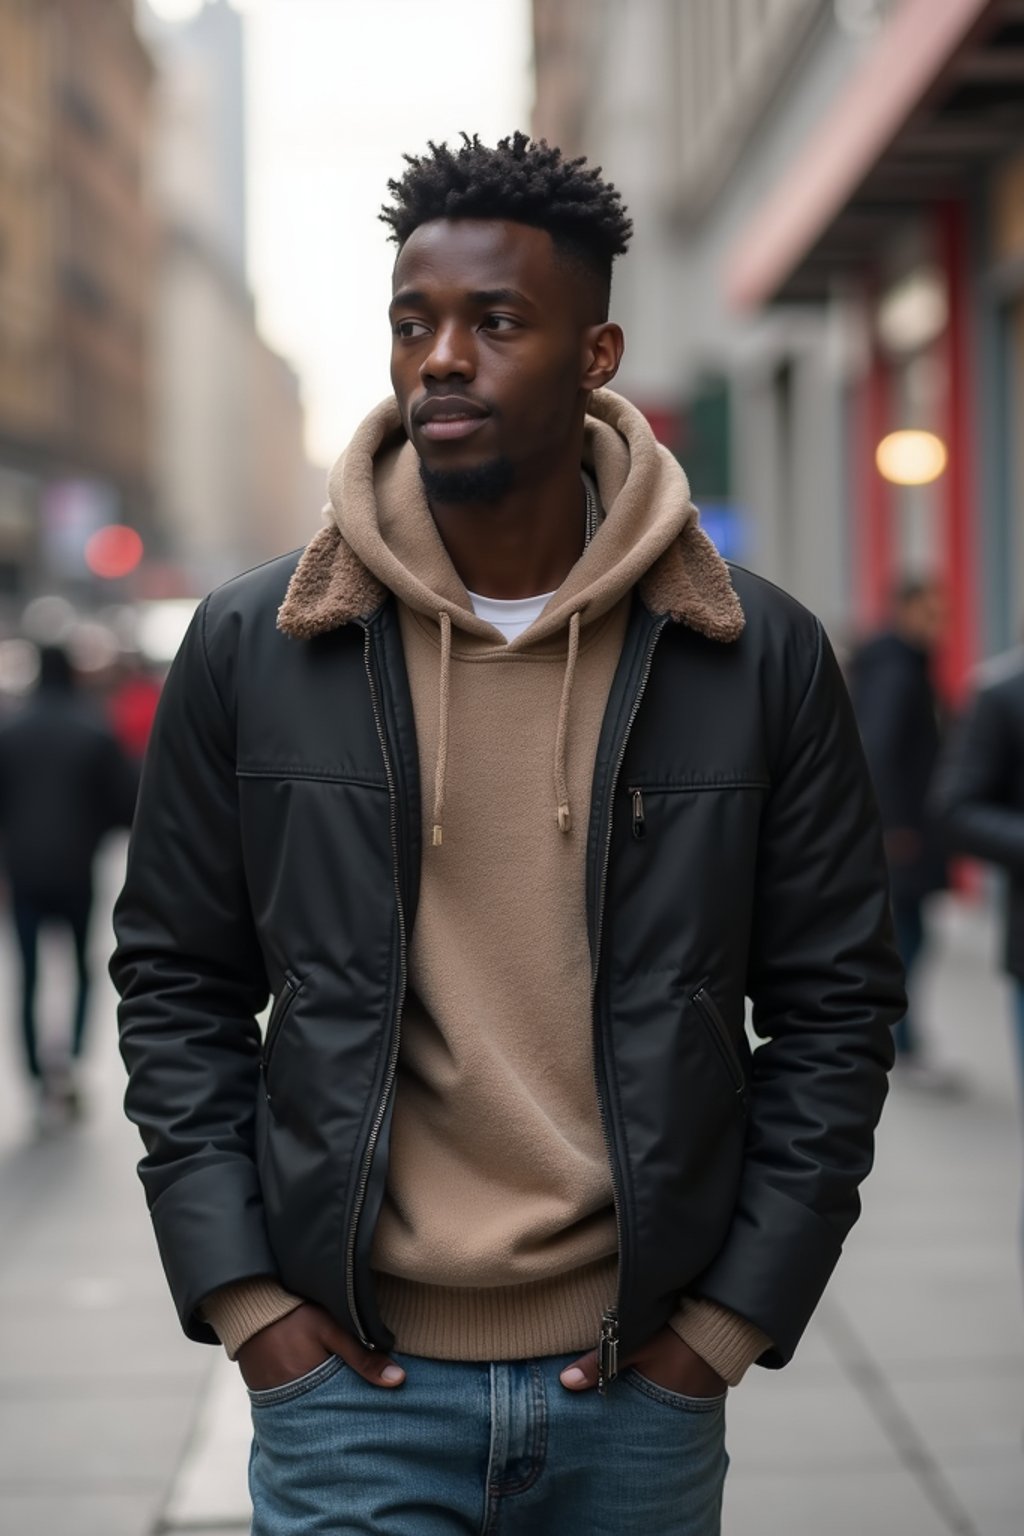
(526,182)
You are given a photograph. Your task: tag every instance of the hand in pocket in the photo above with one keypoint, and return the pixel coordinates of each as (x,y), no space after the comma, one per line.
(297,1343)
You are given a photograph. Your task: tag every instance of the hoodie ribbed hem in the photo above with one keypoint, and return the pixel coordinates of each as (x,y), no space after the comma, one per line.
(726,1341)
(237,1312)
(509,1322)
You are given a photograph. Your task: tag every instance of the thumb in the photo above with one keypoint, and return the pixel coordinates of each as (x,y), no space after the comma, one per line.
(581,1374)
(374,1366)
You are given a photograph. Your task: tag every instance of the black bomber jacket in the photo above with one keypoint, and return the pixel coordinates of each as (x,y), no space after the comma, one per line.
(733,853)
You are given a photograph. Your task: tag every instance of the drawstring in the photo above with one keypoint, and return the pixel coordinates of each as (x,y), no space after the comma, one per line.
(441,768)
(562,734)
(564,813)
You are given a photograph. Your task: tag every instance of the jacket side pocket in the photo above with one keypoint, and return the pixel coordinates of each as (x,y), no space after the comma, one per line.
(716,1027)
(283,1003)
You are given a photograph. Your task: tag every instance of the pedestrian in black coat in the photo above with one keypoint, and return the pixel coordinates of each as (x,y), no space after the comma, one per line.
(899,715)
(979,796)
(64,783)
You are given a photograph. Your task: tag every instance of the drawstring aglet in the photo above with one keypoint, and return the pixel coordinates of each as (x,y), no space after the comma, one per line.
(438,837)
(562,733)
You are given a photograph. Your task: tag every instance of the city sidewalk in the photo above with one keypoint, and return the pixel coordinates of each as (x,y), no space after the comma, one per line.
(903,1414)
(98,1389)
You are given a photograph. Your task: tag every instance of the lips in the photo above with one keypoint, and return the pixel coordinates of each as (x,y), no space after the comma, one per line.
(443,417)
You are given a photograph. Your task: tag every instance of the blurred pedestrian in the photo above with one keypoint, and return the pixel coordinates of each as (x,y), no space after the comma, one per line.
(64,783)
(979,795)
(508,790)
(901,720)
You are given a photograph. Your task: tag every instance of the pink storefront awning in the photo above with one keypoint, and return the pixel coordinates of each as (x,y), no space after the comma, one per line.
(913,49)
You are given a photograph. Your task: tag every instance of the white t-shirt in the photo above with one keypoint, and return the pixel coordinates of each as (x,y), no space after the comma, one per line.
(513,616)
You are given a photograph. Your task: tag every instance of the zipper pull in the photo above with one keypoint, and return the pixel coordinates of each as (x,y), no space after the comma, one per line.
(639,825)
(608,1350)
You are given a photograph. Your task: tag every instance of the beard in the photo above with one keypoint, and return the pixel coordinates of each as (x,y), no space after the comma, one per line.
(456,487)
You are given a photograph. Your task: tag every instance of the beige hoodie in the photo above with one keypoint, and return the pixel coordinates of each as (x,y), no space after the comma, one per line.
(497,1237)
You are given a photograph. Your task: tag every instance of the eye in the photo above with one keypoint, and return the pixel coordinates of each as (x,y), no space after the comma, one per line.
(499,323)
(408,330)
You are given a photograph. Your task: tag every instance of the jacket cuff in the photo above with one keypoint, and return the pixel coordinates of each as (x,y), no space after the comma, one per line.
(726,1341)
(237,1312)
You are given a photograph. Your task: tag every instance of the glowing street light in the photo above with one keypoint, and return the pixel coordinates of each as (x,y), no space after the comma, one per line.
(113,551)
(911,458)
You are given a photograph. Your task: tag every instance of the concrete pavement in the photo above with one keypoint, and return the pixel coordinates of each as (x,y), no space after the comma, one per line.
(903,1414)
(98,1390)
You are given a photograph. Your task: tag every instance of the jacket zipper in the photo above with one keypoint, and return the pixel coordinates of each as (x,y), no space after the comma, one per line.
(708,1010)
(392,1067)
(608,1339)
(608,1349)
(639,822)
(280,1011)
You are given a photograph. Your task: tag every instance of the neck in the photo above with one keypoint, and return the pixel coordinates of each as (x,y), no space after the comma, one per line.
(911,636)
(522,545)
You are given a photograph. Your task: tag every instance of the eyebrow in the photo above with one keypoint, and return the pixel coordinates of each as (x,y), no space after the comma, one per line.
(485,296)
(407,297)
(482,297)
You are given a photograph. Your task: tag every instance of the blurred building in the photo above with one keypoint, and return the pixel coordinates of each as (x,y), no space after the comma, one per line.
(829,197)
(76,261)
(231,476)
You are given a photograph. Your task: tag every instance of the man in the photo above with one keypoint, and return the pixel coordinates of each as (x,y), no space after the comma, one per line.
(64,783)
(898,713)
(979,795)
(511,809)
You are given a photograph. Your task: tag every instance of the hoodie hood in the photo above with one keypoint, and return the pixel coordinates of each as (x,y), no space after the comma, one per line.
(379,537)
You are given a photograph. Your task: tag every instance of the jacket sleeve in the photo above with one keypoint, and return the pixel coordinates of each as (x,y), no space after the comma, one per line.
(826,986)
(972,795)
(191,977)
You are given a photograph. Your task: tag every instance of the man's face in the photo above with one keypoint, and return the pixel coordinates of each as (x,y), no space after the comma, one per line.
(489,349)
(926,617)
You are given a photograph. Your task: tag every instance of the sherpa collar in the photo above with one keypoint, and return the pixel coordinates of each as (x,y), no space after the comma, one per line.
(331,586)
(689,582)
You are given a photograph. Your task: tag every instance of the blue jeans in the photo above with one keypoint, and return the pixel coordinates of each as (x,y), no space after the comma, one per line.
(908,923)
(484,1450)
(32,910)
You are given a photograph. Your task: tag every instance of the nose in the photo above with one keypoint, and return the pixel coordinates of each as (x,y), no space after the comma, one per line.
(451,356)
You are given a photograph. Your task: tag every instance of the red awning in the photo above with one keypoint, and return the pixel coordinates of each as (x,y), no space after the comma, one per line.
(911,52)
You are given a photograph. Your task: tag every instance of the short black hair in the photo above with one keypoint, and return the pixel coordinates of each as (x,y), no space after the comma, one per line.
(910,589)
(526,181)
(55,669)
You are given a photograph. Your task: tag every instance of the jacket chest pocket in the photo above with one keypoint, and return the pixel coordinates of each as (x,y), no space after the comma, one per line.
(649,802)
(283,1004)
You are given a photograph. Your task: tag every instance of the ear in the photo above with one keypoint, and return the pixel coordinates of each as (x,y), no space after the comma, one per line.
(603,346)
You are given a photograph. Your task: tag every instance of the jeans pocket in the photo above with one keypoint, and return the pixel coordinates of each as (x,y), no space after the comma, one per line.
(670,1399)
(269,1397)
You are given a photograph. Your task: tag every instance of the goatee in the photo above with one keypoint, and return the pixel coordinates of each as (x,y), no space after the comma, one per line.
(483,482)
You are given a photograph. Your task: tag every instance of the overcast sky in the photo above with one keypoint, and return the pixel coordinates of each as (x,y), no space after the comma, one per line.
(338,89)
